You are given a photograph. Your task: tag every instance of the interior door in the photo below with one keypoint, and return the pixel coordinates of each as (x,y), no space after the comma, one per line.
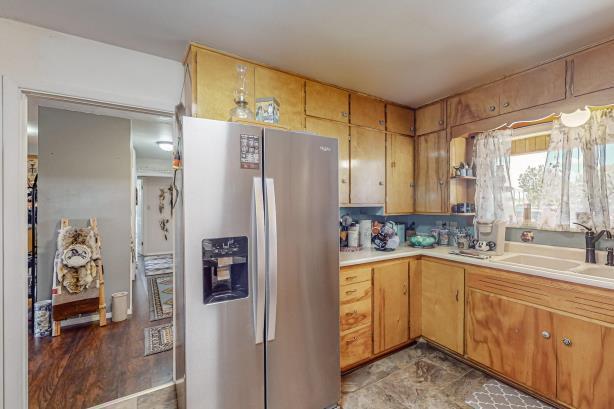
(222,198)
(500,330)
(303,270)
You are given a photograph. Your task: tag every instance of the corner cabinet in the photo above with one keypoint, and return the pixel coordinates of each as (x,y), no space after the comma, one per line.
(368,166)
(431,173)
(390,305)
(400,183)
(443,307)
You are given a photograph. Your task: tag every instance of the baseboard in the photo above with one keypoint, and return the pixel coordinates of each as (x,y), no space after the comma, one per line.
(86,319)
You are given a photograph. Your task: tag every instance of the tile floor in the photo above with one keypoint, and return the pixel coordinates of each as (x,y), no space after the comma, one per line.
(165,398)
(421,377)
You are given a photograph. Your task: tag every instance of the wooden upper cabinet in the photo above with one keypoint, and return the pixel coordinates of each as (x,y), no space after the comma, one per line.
(399,174)
(538,86)
(474,105)
(367,111)
(391,305)
(368,166)
(431,173)
(443,300)
(431,118)
(500,330)
(340,131)
(288,90)
(585,370)
(400,120)
(592,70)
(216,81)
(326,102)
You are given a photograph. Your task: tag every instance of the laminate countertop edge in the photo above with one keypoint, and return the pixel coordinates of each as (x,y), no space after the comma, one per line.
(372,256)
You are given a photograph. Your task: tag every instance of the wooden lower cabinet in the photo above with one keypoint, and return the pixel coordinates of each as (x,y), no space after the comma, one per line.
(585,363)
(513,339)
(443,294)
(356,346)
(390,305)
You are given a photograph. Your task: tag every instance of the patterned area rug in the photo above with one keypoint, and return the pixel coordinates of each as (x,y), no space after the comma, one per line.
(496,395)
(158,339)
(154,265)
(160,289)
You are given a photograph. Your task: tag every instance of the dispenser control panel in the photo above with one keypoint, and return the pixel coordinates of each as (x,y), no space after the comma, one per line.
(225,269)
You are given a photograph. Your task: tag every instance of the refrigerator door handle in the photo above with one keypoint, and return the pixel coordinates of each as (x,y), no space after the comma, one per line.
(259,236)
(272,257)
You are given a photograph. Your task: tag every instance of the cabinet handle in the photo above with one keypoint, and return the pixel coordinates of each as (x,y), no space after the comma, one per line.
(349,314)
(381,183)
(457,295)
(440,122)
(566,342)
(506,104)
(350,278)
(492,108)
(441,182)
(344,114)
(350,292)
(343,181)
(412,185)
(382,122)
(404,289)
(354,339)
(412,129)
(546,334)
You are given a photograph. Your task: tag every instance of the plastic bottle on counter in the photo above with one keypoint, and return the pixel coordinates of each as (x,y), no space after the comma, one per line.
(353,235)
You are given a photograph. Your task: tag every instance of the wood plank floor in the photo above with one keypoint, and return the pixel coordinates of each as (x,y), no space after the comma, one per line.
(88,365)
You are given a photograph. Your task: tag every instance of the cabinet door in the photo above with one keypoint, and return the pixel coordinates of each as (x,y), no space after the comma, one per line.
(288,90)
(368,166)
(431,118)
(443,295)
(216,81)
(326,102)
(367,111)
(538,86)
(399,174)
(391,305)
(592,70)
(431,179)
(340,131)
(400,120)
(474,105)
(585,370)
(500,331)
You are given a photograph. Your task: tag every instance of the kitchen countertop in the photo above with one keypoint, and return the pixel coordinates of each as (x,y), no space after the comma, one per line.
(558,253)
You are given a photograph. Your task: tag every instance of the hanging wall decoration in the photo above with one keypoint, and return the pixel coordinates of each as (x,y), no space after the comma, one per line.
(164,221)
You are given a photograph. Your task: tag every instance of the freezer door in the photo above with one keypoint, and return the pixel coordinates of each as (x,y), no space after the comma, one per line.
(222,198)
(301,202)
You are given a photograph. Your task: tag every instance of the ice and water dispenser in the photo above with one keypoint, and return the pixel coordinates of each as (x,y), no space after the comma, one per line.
(225,269)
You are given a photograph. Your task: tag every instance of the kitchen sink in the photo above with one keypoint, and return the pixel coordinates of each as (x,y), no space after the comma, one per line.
(541,262)
(597,271)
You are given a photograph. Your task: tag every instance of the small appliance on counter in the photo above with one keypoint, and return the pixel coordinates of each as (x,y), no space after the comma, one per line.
(491,237)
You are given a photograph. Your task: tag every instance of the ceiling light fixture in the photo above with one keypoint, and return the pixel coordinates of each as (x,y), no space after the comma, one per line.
(165,145)
(577,118)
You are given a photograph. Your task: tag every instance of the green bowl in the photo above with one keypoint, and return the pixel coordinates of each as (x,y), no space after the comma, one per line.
(422,240)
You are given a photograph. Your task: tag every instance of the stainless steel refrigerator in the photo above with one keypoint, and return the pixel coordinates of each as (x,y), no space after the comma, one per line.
(261,267)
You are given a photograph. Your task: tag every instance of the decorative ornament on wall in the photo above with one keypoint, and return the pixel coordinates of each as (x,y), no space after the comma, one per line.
(164,221)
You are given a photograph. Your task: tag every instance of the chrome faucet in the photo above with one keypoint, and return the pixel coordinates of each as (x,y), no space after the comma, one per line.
(591,239)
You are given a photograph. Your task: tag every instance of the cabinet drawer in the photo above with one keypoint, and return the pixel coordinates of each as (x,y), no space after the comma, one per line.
(355,292)
(355,275)
(355,314)
(355,346)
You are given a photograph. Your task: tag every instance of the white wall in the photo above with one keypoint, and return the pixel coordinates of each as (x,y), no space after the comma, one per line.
(41,59)
(153,167)
(84,171)
(153,238)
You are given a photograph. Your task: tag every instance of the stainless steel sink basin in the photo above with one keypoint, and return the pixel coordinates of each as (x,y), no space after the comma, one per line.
(597,271)
(541,262)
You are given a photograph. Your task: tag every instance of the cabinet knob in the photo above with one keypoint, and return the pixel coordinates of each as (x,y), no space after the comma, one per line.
(440,122)
(412,185)
(506,104)
(404,289)
(343,181)
(344,114)
(457,295)
(566,342)
(382,122)
(492,108)
(412,129)
(546,334)
(441,182)
(381,183)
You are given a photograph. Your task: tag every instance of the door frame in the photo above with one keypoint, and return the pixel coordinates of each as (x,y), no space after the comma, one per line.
(13,151)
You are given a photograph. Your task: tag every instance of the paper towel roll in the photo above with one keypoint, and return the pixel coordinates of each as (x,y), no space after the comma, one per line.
(365,233)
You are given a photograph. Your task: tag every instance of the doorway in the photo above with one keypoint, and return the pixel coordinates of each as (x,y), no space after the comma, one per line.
(85,162)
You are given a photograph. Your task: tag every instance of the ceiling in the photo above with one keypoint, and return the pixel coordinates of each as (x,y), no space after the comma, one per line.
(408,51)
